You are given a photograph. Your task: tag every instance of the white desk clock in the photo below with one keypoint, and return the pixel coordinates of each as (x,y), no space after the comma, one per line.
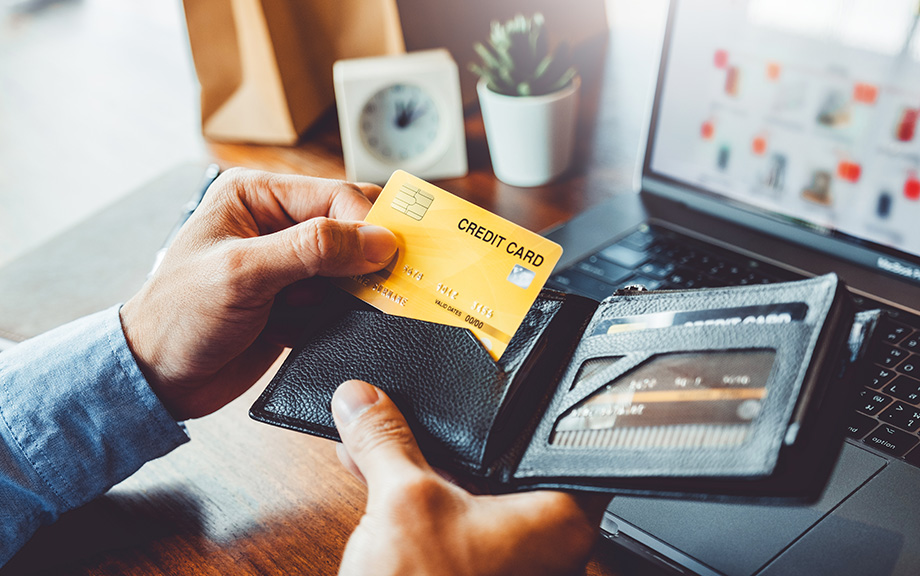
(401,112)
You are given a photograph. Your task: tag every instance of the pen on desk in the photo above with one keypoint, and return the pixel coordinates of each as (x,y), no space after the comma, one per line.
(210,175)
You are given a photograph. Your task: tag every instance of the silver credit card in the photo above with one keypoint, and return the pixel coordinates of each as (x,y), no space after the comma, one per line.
(673,400)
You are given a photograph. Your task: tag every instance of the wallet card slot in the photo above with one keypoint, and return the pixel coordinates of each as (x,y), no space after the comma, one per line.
(805,302)
(451,391)
(442,379)
(679,399)
(547,340)
(593,366)
(752,451)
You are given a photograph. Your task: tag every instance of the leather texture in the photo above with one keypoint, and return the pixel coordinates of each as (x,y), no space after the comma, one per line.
(445,383)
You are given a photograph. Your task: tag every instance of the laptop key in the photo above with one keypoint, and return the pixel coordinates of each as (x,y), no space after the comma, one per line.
(910,366)
(733,272)
(680,258)
(624,256)
(680,281)
(892,332)
(871,402)
(574,281)
(859,425)
(891,440)
(684,278)
(911,343)
(888,356)
(639,240)
(656,269)
(902,415)
(671,253)
(878,376)
(904,388)
(603,269)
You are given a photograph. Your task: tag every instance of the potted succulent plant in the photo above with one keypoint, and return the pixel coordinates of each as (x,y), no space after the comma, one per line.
(529,99)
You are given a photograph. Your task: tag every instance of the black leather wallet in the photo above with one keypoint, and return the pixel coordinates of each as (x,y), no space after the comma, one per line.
(717,393)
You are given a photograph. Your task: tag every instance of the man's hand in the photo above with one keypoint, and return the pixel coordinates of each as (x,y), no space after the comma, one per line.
(198,327)
(418,523)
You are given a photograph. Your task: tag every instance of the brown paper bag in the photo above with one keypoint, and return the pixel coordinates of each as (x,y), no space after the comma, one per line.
(265,66)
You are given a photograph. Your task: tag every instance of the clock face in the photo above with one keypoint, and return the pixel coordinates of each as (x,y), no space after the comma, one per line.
(399,122)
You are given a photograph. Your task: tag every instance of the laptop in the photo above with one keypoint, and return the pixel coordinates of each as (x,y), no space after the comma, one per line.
(783,143)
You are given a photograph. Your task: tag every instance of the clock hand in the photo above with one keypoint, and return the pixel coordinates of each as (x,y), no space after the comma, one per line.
(407,112)
(419,111)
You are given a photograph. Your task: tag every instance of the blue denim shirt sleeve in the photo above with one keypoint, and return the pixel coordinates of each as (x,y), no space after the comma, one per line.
(76,418)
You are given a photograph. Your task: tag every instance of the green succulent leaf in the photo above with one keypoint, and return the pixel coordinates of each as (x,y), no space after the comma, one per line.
(563,80)
(516,59)
(488,58)
(543,66)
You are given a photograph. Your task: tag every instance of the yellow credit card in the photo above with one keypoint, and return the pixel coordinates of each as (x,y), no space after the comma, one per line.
(457,263)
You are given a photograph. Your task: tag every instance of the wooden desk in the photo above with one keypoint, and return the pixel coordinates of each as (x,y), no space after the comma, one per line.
(246,498)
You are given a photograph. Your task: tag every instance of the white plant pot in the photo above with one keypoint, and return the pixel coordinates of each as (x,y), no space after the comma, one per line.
(531,138)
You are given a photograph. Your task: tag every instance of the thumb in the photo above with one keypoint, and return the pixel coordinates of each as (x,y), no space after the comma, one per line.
(375,434)
(323,247)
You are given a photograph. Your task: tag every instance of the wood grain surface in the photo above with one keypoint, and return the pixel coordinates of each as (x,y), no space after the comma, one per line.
(247,498)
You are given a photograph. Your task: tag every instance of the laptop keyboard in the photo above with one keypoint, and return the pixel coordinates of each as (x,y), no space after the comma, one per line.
(887,414)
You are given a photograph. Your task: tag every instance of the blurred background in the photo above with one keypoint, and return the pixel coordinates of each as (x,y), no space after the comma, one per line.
(98,97)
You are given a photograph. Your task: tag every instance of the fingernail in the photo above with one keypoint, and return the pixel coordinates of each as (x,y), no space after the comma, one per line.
(352,398)
(378,243)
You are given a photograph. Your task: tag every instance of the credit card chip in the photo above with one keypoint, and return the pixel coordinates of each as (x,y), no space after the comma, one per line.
(412,202)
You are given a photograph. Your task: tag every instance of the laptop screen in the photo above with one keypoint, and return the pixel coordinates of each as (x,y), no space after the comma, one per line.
(805,112)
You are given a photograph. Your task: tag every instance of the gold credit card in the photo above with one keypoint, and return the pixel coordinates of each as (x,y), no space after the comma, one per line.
(457,263)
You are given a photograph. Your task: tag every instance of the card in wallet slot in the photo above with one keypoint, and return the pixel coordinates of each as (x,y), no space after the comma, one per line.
(722,393)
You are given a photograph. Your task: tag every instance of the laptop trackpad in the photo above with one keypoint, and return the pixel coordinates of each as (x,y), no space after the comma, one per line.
(738,538)
(873,532)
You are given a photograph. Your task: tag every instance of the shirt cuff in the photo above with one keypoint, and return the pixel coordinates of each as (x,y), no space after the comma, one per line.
(79,410)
